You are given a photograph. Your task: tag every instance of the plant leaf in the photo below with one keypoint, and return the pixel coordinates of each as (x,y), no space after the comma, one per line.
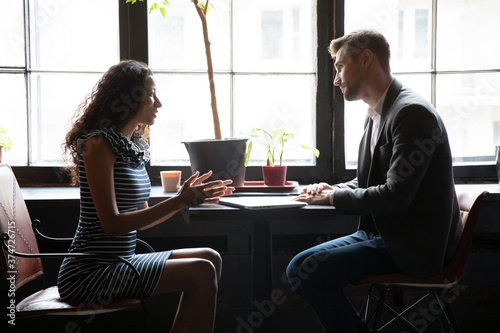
(163,12)
(249,150)
(202,5)
(314,150)
(154,6)
(4,139)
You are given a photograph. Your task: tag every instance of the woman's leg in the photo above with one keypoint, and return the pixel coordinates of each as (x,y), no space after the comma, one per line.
(202,253)
(196,273)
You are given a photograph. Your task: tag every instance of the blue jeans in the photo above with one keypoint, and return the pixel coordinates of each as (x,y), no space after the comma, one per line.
(320,273)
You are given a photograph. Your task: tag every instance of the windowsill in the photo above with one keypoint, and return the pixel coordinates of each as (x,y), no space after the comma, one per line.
(72,193)
(47,194)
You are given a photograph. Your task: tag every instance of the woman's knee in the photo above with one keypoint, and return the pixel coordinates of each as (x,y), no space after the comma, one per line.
(188,275)
(208,254)
(214,257)
(204,273)
(194,275)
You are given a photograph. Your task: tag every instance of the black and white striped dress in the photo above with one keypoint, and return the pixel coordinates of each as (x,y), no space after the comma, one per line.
(82,279)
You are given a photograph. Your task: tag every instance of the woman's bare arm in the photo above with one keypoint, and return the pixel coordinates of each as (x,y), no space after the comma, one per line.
(99,159)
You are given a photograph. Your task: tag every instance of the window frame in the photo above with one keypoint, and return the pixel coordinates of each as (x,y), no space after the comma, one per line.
(323,170)
(330,167)
(462,173)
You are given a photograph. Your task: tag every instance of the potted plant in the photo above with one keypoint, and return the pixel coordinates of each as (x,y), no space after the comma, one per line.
(274,143)
(5,142)
(224,157)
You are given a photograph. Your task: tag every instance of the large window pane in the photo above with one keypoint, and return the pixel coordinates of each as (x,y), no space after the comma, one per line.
(176,42)
(186,115)
(13,117)
(291,107)
(247,37)
(55,98)
(74,35)
(406,24)
(274,36)
(470,107)
(466,34)
(12,37)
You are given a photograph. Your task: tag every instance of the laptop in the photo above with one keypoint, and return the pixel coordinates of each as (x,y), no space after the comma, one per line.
(261,202)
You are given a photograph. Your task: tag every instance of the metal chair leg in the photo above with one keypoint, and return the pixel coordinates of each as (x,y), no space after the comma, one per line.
(378,310)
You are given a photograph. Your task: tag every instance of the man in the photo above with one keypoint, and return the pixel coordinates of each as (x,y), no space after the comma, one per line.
(404,190)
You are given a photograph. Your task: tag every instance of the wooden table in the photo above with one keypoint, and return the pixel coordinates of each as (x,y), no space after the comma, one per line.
(259,224)
(259,227)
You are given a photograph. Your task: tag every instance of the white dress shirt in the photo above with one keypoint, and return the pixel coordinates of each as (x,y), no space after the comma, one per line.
(375,115)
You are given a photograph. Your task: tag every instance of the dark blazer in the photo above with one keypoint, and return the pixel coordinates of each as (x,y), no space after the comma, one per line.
(406,191)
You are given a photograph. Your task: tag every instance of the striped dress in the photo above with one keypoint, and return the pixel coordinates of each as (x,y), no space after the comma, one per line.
(85,279)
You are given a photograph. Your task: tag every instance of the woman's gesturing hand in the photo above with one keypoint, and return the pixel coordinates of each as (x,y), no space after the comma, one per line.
(194,191)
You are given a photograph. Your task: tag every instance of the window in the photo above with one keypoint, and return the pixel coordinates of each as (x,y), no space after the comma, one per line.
(264,56)
(49,60)
(13,116)
(272,69)
(452,63)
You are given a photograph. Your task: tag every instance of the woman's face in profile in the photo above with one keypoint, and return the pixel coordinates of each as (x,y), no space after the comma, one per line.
(146,114)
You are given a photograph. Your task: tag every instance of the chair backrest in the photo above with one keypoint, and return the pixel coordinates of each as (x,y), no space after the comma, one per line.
(16,222)
(469,202)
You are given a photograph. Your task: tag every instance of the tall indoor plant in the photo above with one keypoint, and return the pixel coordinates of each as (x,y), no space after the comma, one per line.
(224,157)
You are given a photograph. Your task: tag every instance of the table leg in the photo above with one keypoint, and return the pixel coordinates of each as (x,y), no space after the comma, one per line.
(262,276)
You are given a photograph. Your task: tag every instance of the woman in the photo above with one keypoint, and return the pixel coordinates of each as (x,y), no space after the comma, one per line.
(109,154)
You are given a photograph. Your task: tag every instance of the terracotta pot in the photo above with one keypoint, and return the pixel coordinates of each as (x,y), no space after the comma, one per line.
(226,158)
(274,175)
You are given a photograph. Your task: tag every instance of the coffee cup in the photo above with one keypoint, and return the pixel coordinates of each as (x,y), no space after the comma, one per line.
(170,180)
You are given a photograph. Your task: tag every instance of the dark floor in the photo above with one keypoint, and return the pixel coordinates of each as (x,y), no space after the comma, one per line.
(298,318)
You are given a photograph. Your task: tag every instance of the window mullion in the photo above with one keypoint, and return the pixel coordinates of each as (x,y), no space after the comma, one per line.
(433,51)
(338,126)
(27,76)
(231,69)
(133,30)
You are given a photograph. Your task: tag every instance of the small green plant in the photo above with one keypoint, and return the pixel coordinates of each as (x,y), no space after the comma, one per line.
(274,142)
(4,139)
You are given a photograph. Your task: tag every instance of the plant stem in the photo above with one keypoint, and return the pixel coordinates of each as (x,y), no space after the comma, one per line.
(206,8)
(210,70)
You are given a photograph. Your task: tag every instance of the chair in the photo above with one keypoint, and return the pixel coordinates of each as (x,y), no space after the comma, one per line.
(21,261)
(439,290)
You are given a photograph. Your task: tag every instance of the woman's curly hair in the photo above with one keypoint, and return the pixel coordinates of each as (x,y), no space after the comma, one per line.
(113,102)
